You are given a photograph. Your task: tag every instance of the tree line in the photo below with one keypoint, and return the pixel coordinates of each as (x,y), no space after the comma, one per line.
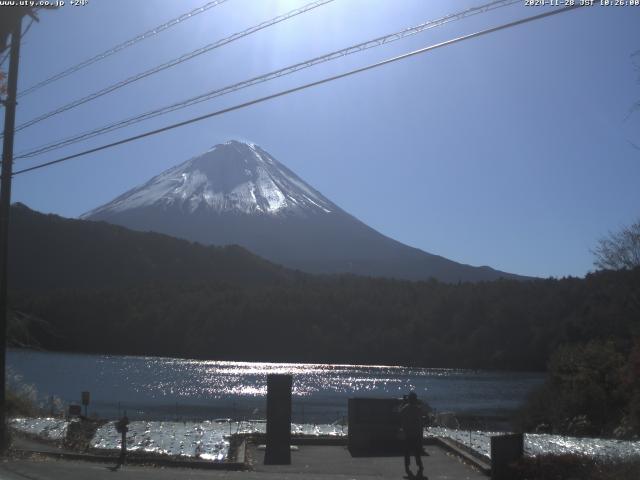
(499,325)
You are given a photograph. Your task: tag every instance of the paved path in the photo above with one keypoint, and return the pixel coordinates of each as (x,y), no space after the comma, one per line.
(309,462)
(29,444)
(336,462)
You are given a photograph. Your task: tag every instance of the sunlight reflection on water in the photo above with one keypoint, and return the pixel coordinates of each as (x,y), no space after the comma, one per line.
(220,379)
(153,388)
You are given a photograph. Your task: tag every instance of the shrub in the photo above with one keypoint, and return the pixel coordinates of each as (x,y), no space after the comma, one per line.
(560,467)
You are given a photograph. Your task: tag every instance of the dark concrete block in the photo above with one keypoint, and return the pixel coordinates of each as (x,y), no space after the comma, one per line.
(505,449)
(374,427)
(278,451)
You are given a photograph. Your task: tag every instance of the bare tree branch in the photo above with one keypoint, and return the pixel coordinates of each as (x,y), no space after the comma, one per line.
(619,250)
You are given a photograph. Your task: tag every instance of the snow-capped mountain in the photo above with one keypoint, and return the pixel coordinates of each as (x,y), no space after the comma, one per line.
(232,177)
(236,193)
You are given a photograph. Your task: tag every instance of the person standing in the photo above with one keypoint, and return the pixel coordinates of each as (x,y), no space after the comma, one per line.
(411,422)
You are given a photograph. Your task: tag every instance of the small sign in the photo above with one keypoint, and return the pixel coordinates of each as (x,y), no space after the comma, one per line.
(85,398)
(75,410)
(122,425)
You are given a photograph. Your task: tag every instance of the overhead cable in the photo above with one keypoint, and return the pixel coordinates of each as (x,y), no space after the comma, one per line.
(376,42)
(8,47)
(121,46)
(173,63)
(282,93)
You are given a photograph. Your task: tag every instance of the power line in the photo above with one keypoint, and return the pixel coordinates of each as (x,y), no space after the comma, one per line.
(303,87)
(383,40)
(174,62)
(8,47)
(128,43)
(4,58)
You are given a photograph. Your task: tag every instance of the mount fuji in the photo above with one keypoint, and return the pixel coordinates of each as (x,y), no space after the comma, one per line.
(236,193)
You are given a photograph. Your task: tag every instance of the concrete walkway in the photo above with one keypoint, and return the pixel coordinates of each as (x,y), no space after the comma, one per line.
(32,445)
(309,462)
(336,461)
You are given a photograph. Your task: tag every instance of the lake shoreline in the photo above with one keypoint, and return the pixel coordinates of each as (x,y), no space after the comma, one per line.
(208,441)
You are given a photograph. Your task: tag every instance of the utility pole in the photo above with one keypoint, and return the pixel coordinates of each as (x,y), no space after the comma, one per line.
(5,207)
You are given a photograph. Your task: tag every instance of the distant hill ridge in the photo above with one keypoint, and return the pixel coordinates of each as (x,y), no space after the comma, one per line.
(48,251)
(237,193)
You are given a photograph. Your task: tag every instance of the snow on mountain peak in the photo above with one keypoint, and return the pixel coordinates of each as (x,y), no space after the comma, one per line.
(230,177)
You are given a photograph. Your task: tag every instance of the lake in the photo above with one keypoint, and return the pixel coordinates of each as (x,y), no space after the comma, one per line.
(155,388)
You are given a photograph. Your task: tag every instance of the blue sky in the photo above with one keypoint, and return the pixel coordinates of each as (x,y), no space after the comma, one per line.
(513,150)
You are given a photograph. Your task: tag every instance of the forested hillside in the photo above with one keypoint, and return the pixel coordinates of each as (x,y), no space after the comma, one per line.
(503,325)
(94,287)
(49,251)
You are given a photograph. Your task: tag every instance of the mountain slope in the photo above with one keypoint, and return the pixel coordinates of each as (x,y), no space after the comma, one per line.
(236,193)
(48,251)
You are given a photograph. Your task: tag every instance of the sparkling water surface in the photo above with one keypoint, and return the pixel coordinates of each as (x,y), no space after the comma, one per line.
(153,388)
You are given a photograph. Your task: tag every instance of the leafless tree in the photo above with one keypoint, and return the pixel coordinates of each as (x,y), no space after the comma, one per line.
(619,250)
